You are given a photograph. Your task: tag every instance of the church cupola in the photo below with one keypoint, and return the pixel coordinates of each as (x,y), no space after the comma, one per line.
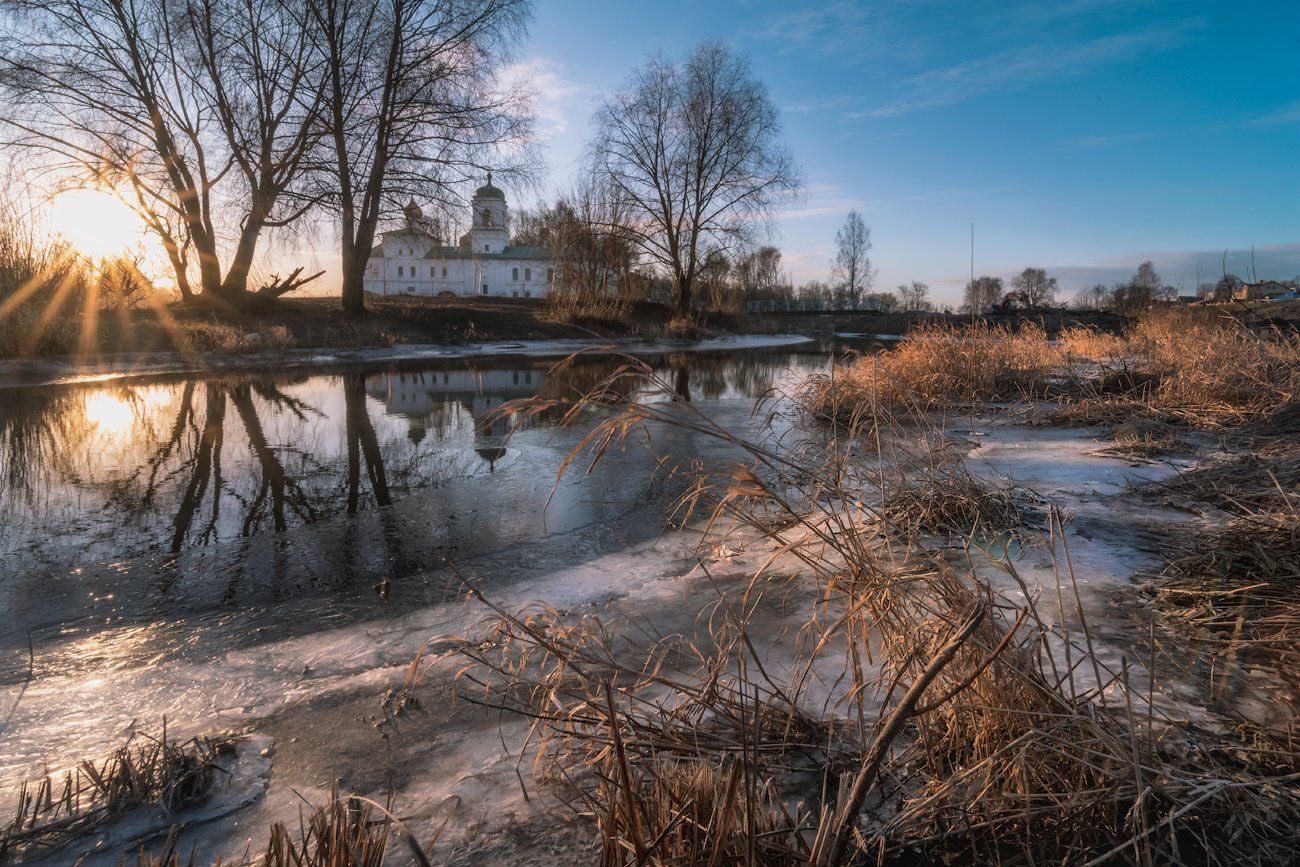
(414,214)
(489,232)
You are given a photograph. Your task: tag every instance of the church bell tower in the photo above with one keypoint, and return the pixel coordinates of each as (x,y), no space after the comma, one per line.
(489,232)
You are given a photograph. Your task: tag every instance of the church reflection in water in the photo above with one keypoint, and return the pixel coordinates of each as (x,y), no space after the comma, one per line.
(440,400)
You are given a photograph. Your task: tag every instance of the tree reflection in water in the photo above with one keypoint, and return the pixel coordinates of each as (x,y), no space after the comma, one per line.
(187,464)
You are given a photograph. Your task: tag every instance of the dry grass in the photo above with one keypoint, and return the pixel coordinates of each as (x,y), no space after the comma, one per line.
(965,725)
(1231,592)
(943,498)
(1178,366)
(1202,369)
(143,771)
(1260,481)
(346,832)
(939,365)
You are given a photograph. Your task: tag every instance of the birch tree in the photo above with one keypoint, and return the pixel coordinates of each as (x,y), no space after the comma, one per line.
(852,275)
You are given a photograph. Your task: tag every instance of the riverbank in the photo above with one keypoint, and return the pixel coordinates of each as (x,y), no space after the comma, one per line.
(126,367)
(316,322)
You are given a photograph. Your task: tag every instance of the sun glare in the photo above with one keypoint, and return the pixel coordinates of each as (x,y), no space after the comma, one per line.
(108,412)
(95,224)
(114,412)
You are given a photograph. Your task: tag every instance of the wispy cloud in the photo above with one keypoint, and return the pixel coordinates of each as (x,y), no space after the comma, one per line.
(556,99)
(1284,116)
(1092,142)
(1018,67)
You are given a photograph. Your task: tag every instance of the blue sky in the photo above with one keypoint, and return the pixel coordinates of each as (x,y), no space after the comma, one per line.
(1082,137)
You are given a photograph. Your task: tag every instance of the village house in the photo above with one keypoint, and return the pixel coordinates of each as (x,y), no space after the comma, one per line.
(414,260)
(1264,290)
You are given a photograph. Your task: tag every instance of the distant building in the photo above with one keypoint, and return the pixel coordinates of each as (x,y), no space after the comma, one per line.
(414,260)
(1264,290)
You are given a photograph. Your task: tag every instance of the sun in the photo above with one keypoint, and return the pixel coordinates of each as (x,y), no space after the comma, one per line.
(95,224)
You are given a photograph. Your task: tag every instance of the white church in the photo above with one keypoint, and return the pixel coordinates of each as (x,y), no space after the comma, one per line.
(414,260)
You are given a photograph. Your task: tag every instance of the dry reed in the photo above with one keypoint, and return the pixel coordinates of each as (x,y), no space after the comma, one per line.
(143,771)
(1011,741)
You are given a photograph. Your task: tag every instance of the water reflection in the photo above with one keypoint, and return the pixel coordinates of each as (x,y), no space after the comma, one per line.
(101,474)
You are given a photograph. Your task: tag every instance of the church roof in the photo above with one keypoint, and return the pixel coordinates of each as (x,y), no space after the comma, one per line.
(487,191)
(462,252)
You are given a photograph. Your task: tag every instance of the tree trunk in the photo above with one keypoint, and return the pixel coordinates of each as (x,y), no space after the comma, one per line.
(354,274)
(683,297)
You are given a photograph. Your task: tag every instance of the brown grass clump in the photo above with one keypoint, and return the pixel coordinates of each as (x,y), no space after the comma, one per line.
(345,832)
(1237,586)
(143,771)
(579,307)
(676,812)
(938,365)
(1264,481)
(948,500)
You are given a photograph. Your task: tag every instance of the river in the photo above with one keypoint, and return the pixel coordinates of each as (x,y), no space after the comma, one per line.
(153,526)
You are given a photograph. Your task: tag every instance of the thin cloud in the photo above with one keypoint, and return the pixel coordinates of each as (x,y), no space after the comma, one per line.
(1284,116)
(555,98)
(1018,67)
(1093,142)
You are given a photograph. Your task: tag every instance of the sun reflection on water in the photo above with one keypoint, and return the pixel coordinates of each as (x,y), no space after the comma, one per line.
(111,412)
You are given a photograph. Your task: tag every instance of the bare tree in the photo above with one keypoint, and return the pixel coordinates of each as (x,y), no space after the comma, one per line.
(759,274)
(1038,289)
(1146,277)
(981,294)
(885,302)
(594,258)
(1142,289)
(411,108)
(1096,297)
(203,110)
(852,274)
(695,149)
(914,296)
(816,291)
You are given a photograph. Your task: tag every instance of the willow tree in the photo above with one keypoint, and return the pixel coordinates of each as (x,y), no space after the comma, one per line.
(413,107)
(694,148)
(203,111)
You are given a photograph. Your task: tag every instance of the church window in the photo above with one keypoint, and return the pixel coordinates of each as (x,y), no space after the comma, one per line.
(399,271)
(528,274)
(550,274)
(514,274)
(484,288)
(444,272)
(487,247)
(528,294)
(514,294)
(431,271)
